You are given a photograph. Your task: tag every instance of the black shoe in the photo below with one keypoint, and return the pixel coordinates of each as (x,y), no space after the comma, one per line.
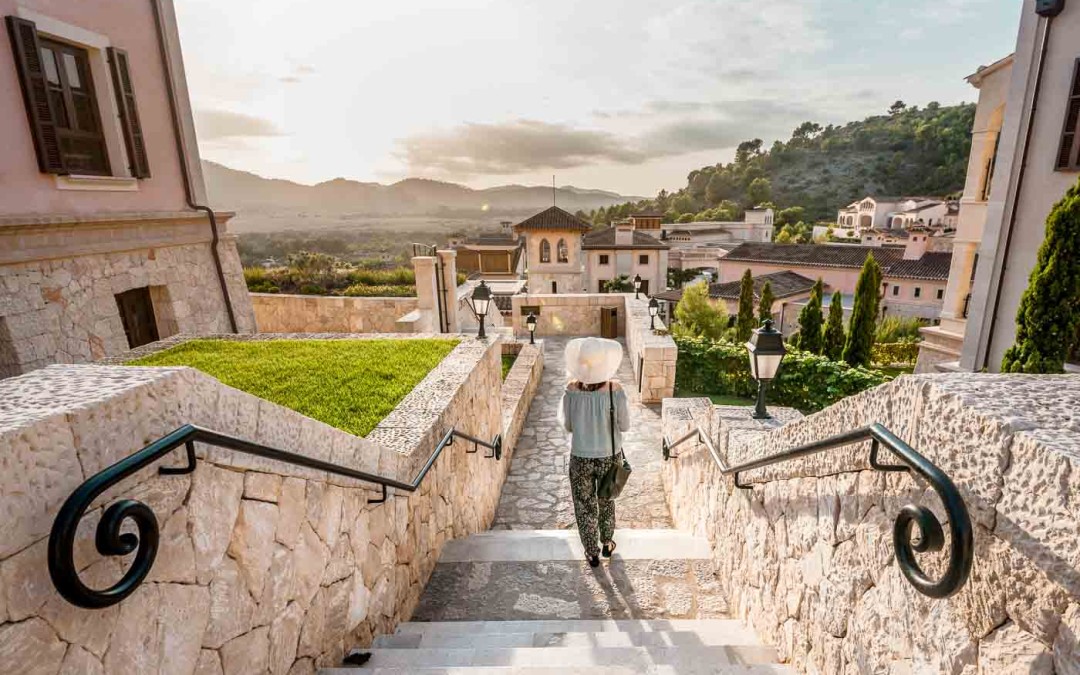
(594,561)
(609,548)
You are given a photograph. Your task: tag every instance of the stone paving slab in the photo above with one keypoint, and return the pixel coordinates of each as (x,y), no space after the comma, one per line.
(618,589)
(536,495)
(540,545)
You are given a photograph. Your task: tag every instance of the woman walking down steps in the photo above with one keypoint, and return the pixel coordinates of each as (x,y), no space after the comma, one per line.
(596,413)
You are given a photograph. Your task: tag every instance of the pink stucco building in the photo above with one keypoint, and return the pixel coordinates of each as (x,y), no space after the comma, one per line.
(914,276)
(104,244)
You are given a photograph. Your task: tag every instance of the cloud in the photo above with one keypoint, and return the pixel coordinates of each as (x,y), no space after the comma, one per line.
(513,147)
(521,146)
(224,124)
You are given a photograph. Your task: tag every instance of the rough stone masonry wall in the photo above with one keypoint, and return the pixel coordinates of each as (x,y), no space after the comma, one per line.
(652,356)
(807,555)
(63,310)
(567,314)
(262,566)
(520,386)
(283,313)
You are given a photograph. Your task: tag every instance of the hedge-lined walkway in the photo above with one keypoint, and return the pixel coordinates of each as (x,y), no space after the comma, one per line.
(537,491)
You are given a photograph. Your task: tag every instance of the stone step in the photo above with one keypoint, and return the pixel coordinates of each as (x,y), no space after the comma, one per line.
(642,659)
(712,638)
(547,545)
(732,629)
(696,669)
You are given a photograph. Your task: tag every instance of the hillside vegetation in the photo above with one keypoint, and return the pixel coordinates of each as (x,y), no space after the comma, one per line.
(909,151)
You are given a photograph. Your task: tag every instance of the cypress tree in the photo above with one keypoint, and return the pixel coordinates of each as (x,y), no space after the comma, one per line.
(1049,313)
(766,303)
(811,319)
(744,325)
(834,329)
(860,338)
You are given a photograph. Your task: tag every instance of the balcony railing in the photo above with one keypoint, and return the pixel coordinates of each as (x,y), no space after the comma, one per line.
(110,540)
(931,536)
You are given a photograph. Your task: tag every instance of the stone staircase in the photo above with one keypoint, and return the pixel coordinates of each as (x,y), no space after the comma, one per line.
(526,602)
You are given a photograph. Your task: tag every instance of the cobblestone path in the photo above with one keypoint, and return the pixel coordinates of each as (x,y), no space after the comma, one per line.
(536,495)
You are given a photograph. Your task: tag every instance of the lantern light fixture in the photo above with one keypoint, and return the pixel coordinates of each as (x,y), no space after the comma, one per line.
(766,350)
(530,324)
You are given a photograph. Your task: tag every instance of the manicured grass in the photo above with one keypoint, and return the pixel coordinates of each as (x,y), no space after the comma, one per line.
(717,399)
(507,363)
(348,384)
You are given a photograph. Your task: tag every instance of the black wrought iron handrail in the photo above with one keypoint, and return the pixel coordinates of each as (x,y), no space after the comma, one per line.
(931,535)
(109,540)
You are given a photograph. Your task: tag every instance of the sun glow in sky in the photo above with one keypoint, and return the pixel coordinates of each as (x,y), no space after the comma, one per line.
(626,95)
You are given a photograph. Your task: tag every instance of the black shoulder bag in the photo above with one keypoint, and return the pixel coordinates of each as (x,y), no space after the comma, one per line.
(611,484)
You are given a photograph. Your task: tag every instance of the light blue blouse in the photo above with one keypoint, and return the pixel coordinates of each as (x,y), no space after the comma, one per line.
(586,416)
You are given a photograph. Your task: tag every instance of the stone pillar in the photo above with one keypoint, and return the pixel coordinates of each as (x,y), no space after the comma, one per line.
(448,260)
(426,303)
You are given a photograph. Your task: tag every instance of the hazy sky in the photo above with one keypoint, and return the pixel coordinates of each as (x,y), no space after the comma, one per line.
(626,95)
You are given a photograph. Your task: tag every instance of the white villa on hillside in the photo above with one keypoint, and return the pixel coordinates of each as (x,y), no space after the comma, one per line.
(892,212)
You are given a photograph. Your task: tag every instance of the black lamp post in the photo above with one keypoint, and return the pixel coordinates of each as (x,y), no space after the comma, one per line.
(481,298)
(637,285)
(654,309)
(530,323)
(766,348)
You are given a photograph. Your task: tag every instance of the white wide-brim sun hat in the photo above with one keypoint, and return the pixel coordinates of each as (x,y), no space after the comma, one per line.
(593,360)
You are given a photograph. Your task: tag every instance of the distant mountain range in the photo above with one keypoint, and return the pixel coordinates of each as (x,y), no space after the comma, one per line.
(248,192)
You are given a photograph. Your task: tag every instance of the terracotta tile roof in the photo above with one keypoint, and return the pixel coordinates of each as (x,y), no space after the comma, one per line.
(932,266)
(605,239)
(784,285)
(553,218)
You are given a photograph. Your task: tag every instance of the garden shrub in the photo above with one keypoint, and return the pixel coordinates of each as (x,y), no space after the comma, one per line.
(891,353)
(807,382)
(898,329)
(361,291)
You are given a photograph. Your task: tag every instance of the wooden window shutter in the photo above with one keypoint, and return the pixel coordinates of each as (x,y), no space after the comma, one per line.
(129,113)
(1068,158)
(24,43)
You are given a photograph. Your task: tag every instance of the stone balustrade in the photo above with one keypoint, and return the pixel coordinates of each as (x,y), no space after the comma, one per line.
(284,313)
(806,555)
(262,566)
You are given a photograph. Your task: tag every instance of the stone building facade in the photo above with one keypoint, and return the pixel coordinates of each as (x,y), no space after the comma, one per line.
(101,247)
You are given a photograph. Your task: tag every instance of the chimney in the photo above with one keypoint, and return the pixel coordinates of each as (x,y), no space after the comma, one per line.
(624,233)
(507,227)
(918,240)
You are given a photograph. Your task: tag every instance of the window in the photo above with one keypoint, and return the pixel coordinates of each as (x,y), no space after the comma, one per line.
(988,173)
(545,251)
(941,294)
(137,316)
(918,292)
(601,286)
(554,288)
(643,259)
(604,259)
(74,108)
(62,106)
(1069,153)
(564,251)
(896,289)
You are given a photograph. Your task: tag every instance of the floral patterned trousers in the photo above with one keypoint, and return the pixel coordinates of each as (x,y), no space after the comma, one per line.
(595,516)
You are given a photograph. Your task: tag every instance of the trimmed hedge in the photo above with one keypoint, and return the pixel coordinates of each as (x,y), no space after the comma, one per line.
(889,353)
(806,381)
(361,291)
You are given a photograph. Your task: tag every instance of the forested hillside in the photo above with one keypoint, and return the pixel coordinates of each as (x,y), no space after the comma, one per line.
(909,151)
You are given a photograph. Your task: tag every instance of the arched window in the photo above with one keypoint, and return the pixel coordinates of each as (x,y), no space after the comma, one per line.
(564,251)
(545,251)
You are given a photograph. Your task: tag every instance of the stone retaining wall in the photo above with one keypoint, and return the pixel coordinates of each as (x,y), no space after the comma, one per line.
(807,558)
(575,314)
(284,313)
(519,387)
(262,566)
(652,356)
